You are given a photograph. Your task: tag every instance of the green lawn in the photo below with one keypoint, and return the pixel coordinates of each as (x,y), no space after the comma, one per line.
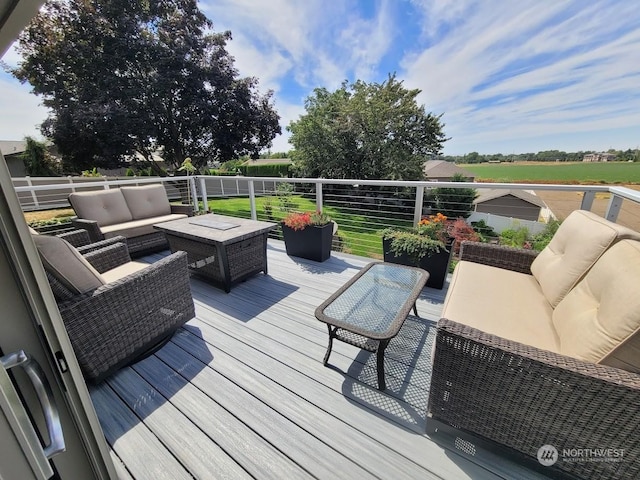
(579,173)
(359,233)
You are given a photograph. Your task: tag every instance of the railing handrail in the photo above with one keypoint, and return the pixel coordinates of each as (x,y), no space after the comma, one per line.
(621,191)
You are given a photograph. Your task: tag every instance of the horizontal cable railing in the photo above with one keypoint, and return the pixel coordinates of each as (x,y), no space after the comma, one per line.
(361,208)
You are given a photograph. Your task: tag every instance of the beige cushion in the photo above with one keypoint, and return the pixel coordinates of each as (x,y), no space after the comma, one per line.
(64,262)
(137,228)
(148,201)
(123,270)
(581,239)
(501,302)
(599,320)
(105,206)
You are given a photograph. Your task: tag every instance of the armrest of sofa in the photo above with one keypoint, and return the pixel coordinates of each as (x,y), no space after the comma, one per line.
(118,322)
(523,398)
(91,226)
(184,209)
(510,258)
(101,244)
(77,238)
(108,257)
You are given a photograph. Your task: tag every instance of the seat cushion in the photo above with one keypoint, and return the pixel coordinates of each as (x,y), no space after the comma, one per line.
(147,201)
(500,302)
(581,239)
(123,270)
(137,228)
(107,207)
(599,320)
(64,262)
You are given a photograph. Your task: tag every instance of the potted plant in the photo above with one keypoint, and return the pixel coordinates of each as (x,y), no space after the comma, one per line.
(308,235)
(427,245)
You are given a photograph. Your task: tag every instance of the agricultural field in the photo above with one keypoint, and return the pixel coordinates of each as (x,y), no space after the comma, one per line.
(562,173)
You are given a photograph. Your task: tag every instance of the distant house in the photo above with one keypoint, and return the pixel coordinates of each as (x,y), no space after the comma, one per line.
(439,170)
(599,157)
(510,203)
(12,153)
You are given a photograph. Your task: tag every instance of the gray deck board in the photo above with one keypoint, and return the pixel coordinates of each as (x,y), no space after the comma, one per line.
(241,391)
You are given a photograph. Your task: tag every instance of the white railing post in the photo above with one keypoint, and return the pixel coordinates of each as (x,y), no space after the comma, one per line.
(587,200)
(33,193)
(614,207)
(191,184)
(203,192)
(318,196)
(417,210)
(252,201)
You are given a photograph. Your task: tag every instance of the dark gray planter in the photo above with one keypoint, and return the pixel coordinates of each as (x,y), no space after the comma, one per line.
(312,243)
(437,264)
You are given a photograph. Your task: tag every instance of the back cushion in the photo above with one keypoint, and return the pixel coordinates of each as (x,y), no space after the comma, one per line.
(599,320)
(64,262)
(105,206)
(146,202)
(575,247)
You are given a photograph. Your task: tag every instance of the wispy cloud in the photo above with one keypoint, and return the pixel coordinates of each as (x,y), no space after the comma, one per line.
(520,76)
(514,69)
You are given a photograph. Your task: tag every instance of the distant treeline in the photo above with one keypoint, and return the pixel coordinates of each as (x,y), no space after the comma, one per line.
(545,156)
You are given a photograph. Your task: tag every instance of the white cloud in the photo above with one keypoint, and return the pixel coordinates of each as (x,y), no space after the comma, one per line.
(510,70)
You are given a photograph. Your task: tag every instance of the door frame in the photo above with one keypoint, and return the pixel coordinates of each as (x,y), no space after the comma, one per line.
(44,335)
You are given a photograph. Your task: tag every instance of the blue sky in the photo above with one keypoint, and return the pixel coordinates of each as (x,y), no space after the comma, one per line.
(508,76)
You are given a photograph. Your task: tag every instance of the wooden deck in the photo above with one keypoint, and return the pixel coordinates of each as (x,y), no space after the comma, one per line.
(241,392)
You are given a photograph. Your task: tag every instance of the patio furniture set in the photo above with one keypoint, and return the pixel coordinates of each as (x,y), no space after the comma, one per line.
(533,350)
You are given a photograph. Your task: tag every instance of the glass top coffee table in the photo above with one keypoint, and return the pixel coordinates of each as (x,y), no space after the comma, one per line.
(369,309)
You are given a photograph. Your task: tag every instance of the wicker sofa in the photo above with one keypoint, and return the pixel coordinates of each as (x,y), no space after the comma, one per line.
(130,212)
(115,310)
(536,350)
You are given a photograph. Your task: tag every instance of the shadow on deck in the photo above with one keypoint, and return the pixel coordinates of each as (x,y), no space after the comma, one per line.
(241,392)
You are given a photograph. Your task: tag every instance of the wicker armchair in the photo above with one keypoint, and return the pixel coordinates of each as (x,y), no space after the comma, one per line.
(512,397)
(115,311)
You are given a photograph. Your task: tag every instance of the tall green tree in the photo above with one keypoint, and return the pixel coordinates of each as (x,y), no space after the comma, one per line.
(37,160)
(365,130)
(125,76)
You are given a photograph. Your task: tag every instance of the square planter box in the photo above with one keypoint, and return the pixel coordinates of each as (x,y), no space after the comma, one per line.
(437,264)
(312,243)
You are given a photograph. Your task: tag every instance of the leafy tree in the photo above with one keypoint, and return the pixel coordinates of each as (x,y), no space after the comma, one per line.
(452,202)
(365,130)
(37,160)
(122,76)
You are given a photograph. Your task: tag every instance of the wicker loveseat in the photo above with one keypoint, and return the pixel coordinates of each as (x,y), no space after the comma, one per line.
(130,212)
(115,310)
(537,350)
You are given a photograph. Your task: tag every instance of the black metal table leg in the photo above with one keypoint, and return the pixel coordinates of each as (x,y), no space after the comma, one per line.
(331,335)
(415,309)
(380,365)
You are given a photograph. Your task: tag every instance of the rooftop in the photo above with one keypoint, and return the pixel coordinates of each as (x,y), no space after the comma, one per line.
(241,391)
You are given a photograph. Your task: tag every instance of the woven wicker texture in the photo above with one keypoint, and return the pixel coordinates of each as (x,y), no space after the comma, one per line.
(244,257)
(524,398)
(113,325)
(377,302)
(108,257)
(510,258)
(77,238)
